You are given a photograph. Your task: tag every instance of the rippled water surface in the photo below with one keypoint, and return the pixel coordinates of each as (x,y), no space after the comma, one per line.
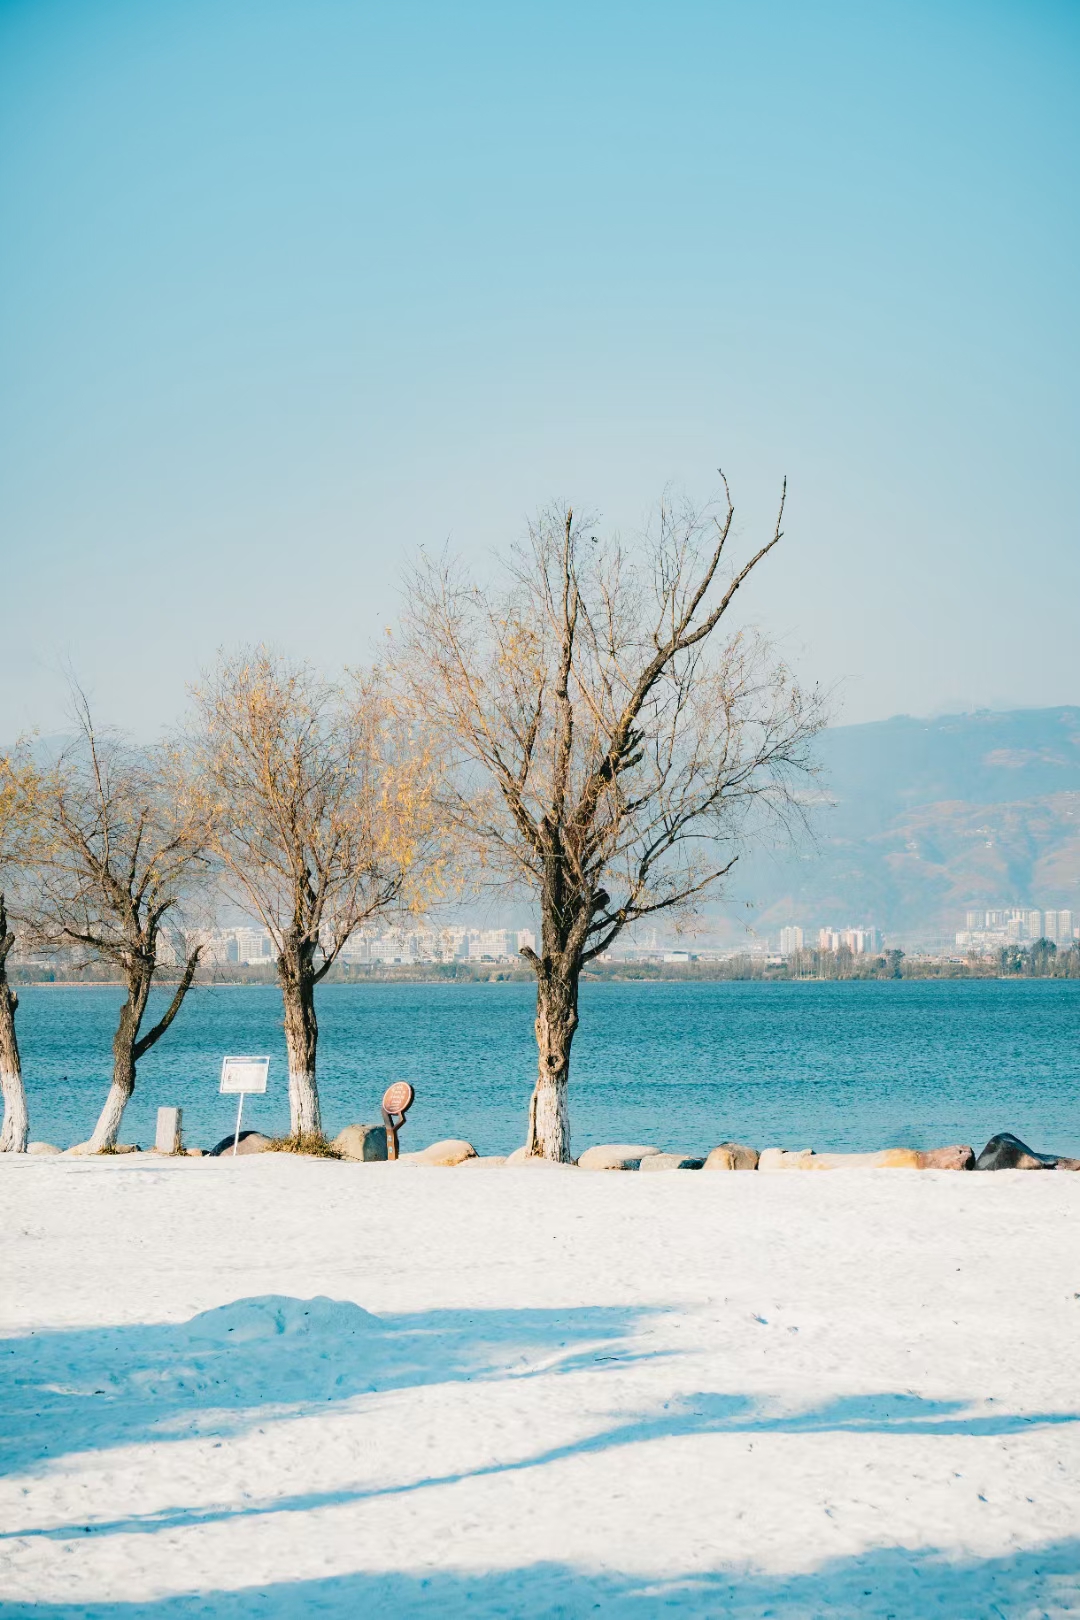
(842,1066)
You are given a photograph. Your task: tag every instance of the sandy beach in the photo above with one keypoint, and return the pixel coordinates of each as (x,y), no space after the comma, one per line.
(278,1387)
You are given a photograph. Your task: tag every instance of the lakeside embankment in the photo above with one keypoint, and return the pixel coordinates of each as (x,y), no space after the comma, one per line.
(272,1386)
(842,1067)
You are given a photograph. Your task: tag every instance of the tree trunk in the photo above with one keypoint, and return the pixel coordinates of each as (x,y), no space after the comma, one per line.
(16,1126)
(107,1129)
(556,1020)
(296,969)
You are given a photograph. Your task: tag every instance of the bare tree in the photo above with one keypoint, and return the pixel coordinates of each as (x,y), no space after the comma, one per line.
(120,841)
(16,798)
(322,816)
(605,748)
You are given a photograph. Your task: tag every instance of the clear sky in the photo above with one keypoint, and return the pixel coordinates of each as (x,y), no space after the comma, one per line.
(291,287)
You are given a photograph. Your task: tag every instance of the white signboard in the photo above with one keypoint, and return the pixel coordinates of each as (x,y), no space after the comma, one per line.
(244,1074)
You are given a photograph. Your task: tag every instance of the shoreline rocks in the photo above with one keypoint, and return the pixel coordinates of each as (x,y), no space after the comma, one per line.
(1007,1152)
(615,1156)
(449,1153)
(947,1158)
(365,1144)
(950,1158)
(732,1156)
(250,1142)
(669,1161)
(519,1159)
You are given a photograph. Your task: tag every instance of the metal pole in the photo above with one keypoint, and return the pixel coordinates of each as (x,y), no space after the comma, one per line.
(239,1111)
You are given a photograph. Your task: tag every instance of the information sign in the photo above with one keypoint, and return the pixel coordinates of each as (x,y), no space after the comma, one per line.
(240,1074)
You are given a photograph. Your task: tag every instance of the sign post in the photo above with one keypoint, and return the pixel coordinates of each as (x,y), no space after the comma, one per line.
(240,1075)
(397,1101)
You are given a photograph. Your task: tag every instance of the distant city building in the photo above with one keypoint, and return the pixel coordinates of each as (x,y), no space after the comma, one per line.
(990,928)
(1059,926)
(791,940)
(253,945)
(451,943)
(859,941)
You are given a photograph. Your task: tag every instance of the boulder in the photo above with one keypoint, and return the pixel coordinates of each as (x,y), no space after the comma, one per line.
(194,1153)
(669,1161)
(1007,1152)
(492,1159)
(781,1159)
(41,1147)
(450,1152)
(250,1142)
(732,1156)
(361,1142)
(947,1158)
(615,1156)
(519,1157)
(807,1159)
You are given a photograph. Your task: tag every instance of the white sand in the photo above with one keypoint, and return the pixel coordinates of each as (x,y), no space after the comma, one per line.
(845,1394)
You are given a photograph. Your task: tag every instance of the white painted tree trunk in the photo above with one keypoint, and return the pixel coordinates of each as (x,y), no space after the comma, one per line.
(548,1135)
(549,1119)
(16,1127)
(301,1043)
(304,1113)
(107,1129)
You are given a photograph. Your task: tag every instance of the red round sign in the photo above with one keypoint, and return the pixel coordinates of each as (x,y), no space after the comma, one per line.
(398,1097)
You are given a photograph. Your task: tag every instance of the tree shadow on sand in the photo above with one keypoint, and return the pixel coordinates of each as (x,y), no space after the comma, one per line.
(885,1583)
(271,1358)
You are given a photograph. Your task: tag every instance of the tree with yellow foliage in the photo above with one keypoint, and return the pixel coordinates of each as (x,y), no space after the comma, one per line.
(322,816)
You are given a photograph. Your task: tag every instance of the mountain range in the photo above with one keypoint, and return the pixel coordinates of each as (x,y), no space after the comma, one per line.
(919,819)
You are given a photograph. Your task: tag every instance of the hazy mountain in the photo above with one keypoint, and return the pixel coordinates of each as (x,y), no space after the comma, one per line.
(928,817)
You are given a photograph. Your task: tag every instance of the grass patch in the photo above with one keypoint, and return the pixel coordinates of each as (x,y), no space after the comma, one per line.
(303,1142)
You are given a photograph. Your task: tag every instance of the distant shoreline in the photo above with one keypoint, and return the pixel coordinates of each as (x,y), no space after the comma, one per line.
(913,971)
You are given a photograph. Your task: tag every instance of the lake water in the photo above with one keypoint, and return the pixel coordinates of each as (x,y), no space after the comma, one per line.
(843,1066)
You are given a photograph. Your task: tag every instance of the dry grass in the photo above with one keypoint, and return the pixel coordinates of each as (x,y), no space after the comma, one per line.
(308,1143)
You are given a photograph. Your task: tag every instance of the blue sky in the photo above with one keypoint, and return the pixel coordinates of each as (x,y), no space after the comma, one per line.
(291,287)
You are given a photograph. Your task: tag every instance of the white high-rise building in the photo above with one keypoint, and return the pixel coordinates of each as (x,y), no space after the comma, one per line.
(791,940)
(1058,926)
(253,945)
(860,941)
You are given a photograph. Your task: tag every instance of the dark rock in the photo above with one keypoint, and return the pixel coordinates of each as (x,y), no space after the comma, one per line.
(250,1142)
(1007,1152)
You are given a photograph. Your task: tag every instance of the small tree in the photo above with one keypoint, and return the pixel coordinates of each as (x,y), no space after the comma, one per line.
(605,749)
(16,798)
(322,818)
(120,840)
